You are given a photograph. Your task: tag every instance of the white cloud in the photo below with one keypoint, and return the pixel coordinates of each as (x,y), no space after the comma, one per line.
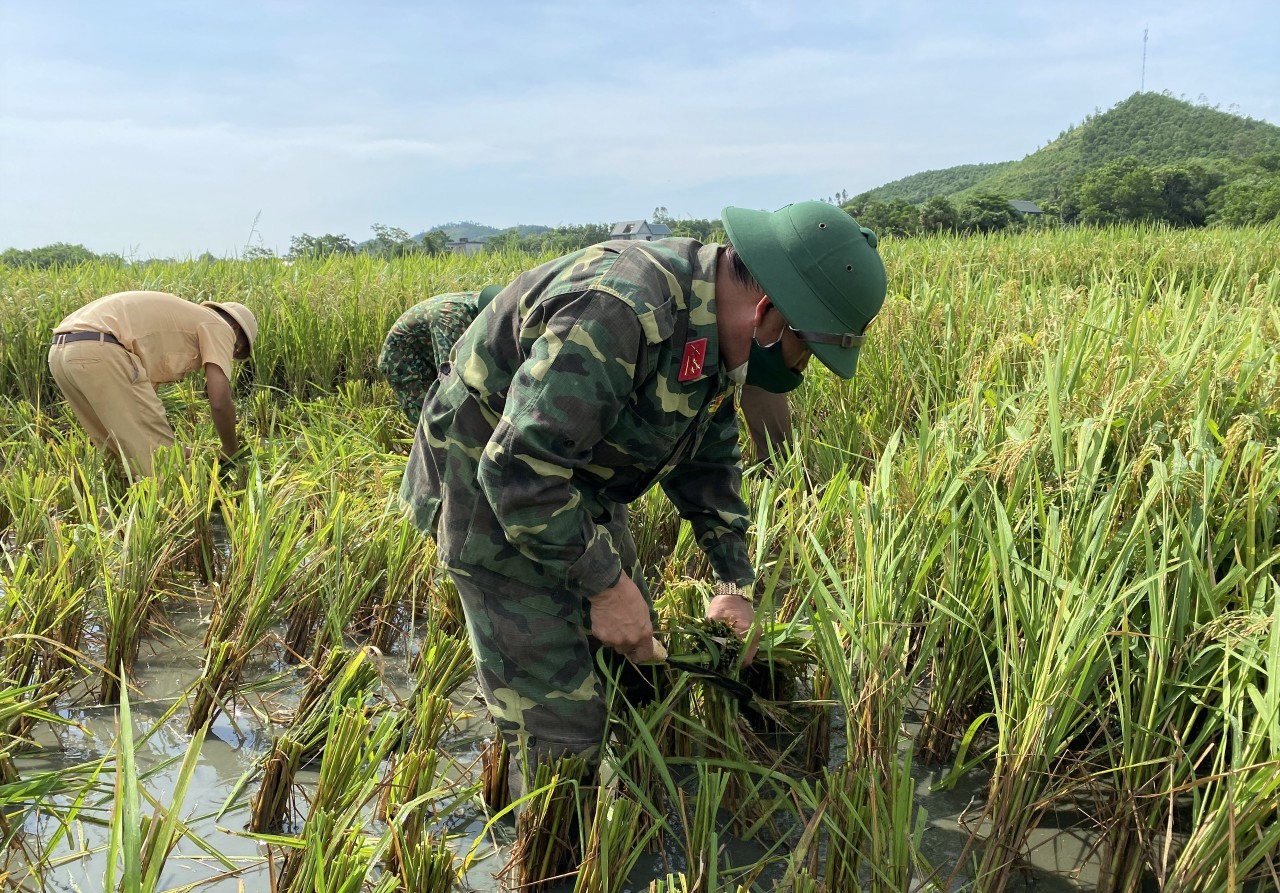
(170,128)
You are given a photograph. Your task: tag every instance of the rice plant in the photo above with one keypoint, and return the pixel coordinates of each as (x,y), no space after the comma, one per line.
(349,777)
(616,841)
(1047,509)
(345,677)
(148,544)
(140,845)
(551,823)
(267,529)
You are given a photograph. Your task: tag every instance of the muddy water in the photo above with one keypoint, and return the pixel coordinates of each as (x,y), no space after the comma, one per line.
(169,666)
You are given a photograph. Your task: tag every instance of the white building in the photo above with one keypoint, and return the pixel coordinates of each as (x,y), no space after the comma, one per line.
(465,246)
(639,231)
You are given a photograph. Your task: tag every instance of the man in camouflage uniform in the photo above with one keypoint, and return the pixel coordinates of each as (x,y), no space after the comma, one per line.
(585,382)
(421,340)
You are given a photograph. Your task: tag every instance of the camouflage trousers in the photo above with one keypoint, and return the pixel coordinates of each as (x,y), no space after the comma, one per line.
(535,660)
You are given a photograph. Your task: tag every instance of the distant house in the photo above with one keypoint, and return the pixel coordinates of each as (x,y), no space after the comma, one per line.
(1030,209)
(465,246)
(639,231)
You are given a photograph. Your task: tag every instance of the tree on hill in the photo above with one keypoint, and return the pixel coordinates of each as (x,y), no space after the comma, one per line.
(1150,157)
(986,212)
(392,241)
(897,217)
(938,215)
(1158,130)
(561,239)
(704,229)
(1128,191)
(1249,201)
(1119,192)
(59,254)
(921,187)
(308,246)
(1186,193)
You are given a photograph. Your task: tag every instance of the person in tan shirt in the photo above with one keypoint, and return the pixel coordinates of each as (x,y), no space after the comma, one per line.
(109,356)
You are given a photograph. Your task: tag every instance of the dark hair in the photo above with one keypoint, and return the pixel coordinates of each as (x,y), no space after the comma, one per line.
(739,269)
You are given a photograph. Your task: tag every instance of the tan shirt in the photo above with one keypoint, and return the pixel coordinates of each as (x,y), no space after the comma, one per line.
(171,337)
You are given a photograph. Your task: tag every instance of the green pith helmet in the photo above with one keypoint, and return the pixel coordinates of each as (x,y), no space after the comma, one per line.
(487,294)
(820,269)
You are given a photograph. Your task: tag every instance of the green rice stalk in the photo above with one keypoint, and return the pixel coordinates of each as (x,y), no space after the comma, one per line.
(495,764)
(1236,840)
(346,677)
(1053,614)
(547,847)
(390,608)
(38,609)
(267,530)
(701,829)
(416,773)
(349,777)
(132,582)
(617,839)
(424,864)
(139,846)
(444,661)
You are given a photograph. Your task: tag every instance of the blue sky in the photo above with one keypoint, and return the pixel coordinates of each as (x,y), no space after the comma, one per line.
(168,128)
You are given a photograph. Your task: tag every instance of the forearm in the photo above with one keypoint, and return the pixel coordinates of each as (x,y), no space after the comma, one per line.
(543,517)
(224,422)
(221,407)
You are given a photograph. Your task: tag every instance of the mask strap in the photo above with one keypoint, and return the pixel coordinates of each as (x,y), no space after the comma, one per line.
(773,343)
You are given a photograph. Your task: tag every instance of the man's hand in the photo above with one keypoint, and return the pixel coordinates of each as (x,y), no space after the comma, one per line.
(620,619)
(741,615)
(229,466)
(239,457)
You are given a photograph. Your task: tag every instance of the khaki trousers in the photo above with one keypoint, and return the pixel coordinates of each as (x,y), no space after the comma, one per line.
(112,396)
(768,421)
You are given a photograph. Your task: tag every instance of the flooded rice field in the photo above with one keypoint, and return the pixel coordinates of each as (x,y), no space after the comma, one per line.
(169,665)
(1018,593)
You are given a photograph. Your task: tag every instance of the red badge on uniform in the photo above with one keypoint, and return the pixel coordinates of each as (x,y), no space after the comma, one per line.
(695,353)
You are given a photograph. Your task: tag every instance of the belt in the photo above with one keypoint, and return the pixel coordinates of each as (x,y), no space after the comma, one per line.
(72,337)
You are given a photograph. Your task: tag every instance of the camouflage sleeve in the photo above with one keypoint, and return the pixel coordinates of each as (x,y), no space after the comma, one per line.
(565,397)
(706,489)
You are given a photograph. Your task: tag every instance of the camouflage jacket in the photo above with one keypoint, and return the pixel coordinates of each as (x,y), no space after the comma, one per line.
(420,341)
(565,400)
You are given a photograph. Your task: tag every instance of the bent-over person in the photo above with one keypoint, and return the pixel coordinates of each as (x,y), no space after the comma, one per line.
(585,382)
(109,357)
(422,338)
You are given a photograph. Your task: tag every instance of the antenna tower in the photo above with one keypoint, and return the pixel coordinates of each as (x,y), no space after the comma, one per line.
(1142,88)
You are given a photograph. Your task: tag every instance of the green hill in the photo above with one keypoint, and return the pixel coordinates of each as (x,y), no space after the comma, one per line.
(1153,128)
(472,231)
(919,188)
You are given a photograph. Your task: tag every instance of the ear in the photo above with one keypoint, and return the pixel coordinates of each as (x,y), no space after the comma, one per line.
(768,325)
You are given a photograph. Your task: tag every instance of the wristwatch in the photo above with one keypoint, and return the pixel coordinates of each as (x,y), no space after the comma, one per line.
(725,588)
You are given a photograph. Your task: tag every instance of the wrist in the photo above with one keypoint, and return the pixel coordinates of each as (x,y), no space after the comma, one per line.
(723,587)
